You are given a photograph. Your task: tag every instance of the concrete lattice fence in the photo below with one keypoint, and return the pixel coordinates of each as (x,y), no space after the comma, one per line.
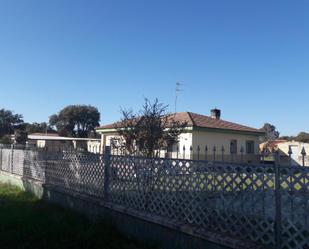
(265,204)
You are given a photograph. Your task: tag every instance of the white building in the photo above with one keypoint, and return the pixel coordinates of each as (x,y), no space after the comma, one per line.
(285,148)
(230,140)
(54,142)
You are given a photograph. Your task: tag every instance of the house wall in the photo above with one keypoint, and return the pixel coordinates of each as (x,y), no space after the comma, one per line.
(40,143)
(296,153)
(109,137)
(51,145)
(203,138)
(185,141)
(59,145)
(93,146)
(55,146)
(106,140)
(219,139)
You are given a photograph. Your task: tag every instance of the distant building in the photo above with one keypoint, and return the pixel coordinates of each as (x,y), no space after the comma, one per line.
(230,140)
(285,147)
(54,142)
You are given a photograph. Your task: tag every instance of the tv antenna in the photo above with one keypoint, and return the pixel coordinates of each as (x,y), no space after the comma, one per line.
(177,92)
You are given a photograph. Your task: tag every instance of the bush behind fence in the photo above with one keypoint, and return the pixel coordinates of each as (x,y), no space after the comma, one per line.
(265,204)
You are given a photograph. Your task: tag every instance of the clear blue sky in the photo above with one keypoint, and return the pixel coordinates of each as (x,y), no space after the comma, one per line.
(248,58)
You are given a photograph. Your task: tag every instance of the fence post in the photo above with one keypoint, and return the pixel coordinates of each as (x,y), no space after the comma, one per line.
(1,149)
(278,232)
(198,152)
(45,164)
(12,158)
(242,150)
(106,158)
(222,151)
(290,152)
(263,155)
(303,154)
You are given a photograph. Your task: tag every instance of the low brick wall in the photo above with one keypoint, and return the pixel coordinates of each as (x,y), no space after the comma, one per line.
(143,227)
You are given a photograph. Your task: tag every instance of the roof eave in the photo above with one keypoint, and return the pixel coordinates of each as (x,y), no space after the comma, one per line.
(113,130)
(255,133)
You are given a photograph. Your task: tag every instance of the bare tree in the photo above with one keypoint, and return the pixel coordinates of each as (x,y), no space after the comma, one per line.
(149,131)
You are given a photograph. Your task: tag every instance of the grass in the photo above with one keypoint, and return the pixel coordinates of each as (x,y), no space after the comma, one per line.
(28,223)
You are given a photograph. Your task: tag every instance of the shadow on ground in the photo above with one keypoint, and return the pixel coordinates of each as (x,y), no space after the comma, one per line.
(26,222)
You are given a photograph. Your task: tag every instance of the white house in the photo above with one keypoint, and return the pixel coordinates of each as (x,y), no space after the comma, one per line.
(209,137)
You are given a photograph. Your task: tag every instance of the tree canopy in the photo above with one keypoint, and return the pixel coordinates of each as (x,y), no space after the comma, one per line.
(301,137)
(271,132)
(150,130)
(9,122)
(37,127)
(76,120)
(21,136)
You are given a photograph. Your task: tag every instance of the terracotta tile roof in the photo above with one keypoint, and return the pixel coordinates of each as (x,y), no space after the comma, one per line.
(198,120)
(209,122)
(271,145)
(108,126)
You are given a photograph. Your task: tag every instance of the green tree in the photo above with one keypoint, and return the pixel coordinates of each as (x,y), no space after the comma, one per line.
(6,139)
(288,138)
(37,127)
(21,136)
(150,130)
(9,122)
(302,137)
(76,120)
(271,132)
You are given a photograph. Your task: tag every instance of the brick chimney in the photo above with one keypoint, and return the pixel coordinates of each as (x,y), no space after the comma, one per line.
(215,113)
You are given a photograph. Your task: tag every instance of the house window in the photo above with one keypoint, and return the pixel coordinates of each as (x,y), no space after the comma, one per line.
(233,146)
(250,147)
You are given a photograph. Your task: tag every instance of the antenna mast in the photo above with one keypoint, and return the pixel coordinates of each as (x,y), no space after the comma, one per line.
(177,91)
